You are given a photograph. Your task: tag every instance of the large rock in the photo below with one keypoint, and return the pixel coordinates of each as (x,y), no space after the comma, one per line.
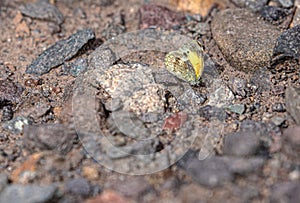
(246,41)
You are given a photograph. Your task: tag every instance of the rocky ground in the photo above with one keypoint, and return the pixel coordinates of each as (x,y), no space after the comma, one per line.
(90,114)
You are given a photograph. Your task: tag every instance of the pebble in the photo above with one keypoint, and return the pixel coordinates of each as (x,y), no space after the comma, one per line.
(9,92)
(240,29)
(260,80)
(241,144)
(288,44)
(292,135)
(237,108)
(159,16)
(7,113)
(274,14)
(238,86)
(56,137)
(79,186)
(253,5)
(278,120)
(42,10)
(91,173)
(292,95)
(221,97)
(16,125)
(210,172)
(279,107)
(60,52)
(27,193)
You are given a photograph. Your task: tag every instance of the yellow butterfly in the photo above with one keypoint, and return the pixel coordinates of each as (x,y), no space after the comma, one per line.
(187,63)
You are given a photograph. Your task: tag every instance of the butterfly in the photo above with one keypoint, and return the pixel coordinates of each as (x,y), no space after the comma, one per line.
(186,63)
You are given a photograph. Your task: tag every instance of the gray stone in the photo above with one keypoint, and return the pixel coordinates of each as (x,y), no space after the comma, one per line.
(78,66)
(60,52)
(211,172)
(55,137)
(42,10)
(286,3)
(241,144)
(3,181)
(79,186)
(27,193)
(278,120)
(237,108)
(246,41)
(9,92)
(292,100)
(221,97)
(16,125)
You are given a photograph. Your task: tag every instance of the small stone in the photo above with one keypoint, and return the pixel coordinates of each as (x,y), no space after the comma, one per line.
(27,193)
(9,92)
(108,196)
(253,5)
(278,120)
(211,172)
(292,101)
(90,173)
(241,144)
(238,86)
(288,44)
(16,125)
(42,10)
(279,107)
(237,108)
(7,113)
(292,135)
(221,97)
(78,186)
(55,137)
(155,15)
(211,112)
(246,41)
(260,80)
(60,52)
(273,14)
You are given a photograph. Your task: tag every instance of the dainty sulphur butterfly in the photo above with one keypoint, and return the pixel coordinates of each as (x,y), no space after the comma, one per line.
(187,63)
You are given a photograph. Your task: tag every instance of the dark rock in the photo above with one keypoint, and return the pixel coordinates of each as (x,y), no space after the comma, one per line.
(155,15)
(253,5)
(238,86)
(79,186)
(286,192)
(60,52)
(42,10)
(292,101)
(210,112)
(261,79)
(27,193)
(273,14)
(16,125)
(288,44)
(246,41)
(7,113)
(9,92)
(279,107)
(55,137)
(116,27)
(241,144)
